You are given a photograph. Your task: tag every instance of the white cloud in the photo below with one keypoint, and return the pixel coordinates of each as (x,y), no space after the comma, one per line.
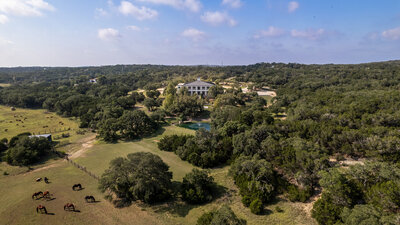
(392,34)
(193,34)
(217,18)
(192,5)
(107,34)
(40,4)
(293,6)
(142,13)
(101,12)
(134,28)
(309,34)
(232,3)
(3,19)
(270,32)
(25,7)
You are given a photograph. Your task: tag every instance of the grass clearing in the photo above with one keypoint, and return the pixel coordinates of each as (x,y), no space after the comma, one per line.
(37,121)
(97,158)
(19,208)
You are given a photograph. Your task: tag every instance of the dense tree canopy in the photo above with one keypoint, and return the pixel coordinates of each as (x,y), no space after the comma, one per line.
(140,176)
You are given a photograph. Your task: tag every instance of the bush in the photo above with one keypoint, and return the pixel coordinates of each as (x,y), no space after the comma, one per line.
(255,179)
(222,216)
(172,142)
(256,207)
(296,194)
(197,187)
(326,212)
(278,209)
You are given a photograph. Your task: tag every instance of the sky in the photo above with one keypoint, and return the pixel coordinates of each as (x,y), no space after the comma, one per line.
(197,32)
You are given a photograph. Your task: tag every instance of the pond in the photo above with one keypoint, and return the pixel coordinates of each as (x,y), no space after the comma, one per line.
(196,126)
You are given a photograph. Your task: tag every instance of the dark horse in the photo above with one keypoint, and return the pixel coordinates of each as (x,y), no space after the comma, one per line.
(79,186)
(90,198)
(69,207)
(37,195)
(46,180)
(41,209)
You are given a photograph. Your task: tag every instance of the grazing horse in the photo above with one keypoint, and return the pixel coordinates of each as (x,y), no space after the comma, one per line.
(46,180)
(37,195)
(69,207)
(46,194)
(90,198)
(79,186)
(38,179)
(41,209)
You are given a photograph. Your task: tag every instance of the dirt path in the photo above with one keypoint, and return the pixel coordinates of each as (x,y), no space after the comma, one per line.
(85,145)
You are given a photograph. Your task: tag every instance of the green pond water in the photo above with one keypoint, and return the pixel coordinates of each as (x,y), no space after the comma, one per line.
(196,126)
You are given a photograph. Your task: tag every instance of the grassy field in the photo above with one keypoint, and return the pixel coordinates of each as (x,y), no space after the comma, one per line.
(97,159)
(34,121)
(19,208)
(19,185)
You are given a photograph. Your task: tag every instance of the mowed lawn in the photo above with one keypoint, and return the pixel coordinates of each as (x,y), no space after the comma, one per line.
(34,121)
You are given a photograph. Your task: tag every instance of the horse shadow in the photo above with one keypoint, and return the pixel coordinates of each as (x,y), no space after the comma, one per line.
(80,189)
(50,214)
(50,199)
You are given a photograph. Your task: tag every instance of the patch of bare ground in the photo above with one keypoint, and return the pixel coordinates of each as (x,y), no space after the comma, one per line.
(308,205)
(85,144)
(55,164)
(348,161)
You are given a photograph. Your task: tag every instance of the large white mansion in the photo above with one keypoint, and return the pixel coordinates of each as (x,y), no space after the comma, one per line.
(196,87)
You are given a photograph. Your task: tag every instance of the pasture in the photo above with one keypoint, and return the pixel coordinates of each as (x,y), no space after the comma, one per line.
(37,121)
(19,208)
(97,158)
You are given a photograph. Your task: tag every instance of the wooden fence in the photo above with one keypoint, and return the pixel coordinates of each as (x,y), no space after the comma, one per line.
(82,168)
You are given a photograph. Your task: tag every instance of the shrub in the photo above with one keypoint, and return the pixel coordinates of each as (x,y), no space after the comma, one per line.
(256,206)
(197,187)
(222,216)
(172,142)
(278,209)
(326,212)
(296,194)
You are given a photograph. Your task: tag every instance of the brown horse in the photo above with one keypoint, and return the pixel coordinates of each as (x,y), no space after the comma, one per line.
(79,186)
(37,195)
(69,207)
(41,209)
(46,195)
(90,198)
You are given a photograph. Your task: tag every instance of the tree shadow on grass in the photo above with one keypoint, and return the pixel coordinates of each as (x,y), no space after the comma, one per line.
(175,207)
(156,133)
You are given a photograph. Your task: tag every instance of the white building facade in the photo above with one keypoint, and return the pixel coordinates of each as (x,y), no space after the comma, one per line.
(196,87)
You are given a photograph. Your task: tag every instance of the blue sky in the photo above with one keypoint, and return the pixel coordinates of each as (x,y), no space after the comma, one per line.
(191,32)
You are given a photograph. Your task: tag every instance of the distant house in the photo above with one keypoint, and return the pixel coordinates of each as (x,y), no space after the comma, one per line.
(93,81)
(196,87)
(48,136)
